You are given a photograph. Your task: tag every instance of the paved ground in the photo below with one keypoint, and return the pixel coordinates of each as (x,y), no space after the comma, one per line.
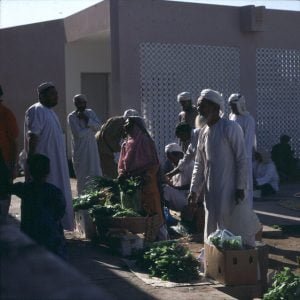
(270,212)
(107,271)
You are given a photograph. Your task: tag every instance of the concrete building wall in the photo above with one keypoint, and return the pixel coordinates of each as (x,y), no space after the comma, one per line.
(201,24)
(167,23)
(87,58)
(84,57)
(30,55)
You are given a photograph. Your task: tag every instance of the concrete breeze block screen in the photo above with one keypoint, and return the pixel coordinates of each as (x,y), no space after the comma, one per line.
(168,69)
(278,96)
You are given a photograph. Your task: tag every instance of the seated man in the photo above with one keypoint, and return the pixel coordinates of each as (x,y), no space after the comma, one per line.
(177,188)
(283,157)
(265,177)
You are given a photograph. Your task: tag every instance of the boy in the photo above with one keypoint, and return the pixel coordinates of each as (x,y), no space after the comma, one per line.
(42,206)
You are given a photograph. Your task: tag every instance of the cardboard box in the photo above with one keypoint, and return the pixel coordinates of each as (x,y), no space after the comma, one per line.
(263,263)
(147,225)
(124,242)
(84,225)
(231,267)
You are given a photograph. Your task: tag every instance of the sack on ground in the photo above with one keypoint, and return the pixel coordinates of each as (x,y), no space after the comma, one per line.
(244,222)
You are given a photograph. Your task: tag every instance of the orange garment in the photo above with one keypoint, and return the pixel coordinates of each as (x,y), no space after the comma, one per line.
(150,195)
(8,134)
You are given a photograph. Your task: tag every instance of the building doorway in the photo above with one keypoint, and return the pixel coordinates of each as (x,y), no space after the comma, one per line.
(96,87)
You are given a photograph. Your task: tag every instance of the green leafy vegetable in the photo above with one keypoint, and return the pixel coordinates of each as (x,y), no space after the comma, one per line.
(86,201)
(231,245)
(126,213)
(286,285)
(114,211)
(130,185)
(170,261)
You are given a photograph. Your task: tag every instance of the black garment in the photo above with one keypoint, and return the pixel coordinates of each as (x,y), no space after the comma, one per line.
(283,157)
(266,190)
(42,207)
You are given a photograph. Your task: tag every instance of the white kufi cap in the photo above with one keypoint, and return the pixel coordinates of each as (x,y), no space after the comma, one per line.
(173,147)
(213,96)
(131,113)
(185,96)
(240,102)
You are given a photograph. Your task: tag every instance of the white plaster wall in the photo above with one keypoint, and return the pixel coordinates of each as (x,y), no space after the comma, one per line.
(87,57)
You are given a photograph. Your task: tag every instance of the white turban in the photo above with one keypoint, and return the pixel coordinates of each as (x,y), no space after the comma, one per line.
(185,96)
(130,113)
(213,96)
(44,86)
(240,102)
(173,147)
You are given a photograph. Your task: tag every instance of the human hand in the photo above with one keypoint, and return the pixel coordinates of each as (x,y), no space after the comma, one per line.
(192,198)
(82,116)
(239,196)
(168,180)
(122,177)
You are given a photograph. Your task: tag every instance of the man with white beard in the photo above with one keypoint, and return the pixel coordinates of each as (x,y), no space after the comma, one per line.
(220,170)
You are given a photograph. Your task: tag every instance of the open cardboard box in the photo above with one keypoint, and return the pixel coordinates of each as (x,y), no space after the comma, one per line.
(231,267)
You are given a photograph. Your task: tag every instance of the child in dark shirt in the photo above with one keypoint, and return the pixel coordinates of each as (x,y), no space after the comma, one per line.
(42,206)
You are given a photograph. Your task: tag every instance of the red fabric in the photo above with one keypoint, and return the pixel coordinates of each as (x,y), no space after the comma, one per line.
(138,153)
(8,133)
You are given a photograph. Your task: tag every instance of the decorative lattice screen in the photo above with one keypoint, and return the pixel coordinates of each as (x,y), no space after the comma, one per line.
(278,96)
(168,69)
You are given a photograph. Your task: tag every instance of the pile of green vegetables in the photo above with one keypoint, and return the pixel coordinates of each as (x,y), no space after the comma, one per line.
(114,211)
(105,191)
(92,198)
(169,260)
(231,244)
(286,285)
(130,185)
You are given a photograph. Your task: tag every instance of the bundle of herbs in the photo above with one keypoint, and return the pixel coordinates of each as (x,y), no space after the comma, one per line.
(92,198)
(130,193)
(286,285)
(130,185)
(169,261)
(114,211)
(230,244)
(98,183)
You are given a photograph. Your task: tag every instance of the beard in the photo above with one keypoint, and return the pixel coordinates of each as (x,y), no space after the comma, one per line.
(200,121)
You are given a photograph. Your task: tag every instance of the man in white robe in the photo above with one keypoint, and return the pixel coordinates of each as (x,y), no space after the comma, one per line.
(177,189)
(189,111)
(265,175)
(43,134)
(221,164)
(84,124)
(240,115)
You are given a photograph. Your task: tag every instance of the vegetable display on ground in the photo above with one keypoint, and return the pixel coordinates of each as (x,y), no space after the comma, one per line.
(286,285)
(169,261)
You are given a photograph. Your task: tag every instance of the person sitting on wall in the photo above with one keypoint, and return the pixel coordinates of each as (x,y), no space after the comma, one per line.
(265,177)
(177,188)
(283,157)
